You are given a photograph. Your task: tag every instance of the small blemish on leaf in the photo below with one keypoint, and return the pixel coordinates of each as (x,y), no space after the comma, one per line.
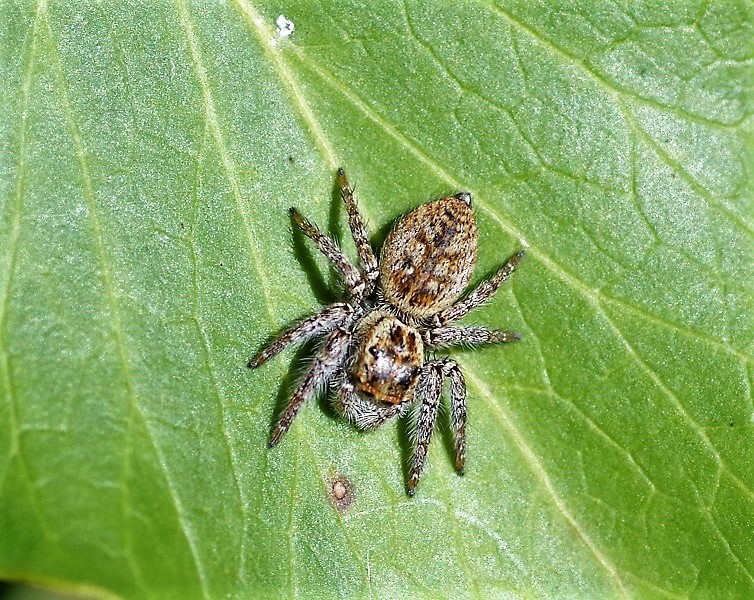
(285,26)
(341,493)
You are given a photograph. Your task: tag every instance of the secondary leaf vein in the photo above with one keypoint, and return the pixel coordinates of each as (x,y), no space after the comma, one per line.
(114,308)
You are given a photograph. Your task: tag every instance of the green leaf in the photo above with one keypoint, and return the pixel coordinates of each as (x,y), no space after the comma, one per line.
(149,154)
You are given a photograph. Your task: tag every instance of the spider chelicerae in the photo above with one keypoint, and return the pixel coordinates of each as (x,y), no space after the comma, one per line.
(374,349)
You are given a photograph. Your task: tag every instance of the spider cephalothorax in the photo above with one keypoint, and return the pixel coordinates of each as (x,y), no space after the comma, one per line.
(375,344)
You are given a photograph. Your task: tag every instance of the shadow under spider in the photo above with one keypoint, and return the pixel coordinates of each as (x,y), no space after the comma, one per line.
(332,290)
(322,291)
(403,433)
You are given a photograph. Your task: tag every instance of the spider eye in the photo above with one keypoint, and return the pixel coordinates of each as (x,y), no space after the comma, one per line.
(374,351)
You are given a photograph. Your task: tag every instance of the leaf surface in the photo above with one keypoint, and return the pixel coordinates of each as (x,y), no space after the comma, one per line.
(149,155)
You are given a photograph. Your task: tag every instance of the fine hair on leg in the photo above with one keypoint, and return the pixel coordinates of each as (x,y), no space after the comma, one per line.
(481,293)
(457,411)
(324,321)
(351,275)
(440,337)
(427,395)
(359,233)
(327,362)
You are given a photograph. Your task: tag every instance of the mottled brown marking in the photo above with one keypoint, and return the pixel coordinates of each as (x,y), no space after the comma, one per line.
(429,257)
(411,345)
(387,367)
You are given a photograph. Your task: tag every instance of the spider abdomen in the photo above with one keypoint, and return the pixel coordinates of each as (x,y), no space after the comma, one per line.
(429,256)
(389,360)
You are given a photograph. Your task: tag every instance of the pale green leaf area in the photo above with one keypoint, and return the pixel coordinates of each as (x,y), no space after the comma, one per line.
(148,155)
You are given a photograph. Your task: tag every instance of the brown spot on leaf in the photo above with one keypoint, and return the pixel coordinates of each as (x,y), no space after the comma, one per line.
(341,493)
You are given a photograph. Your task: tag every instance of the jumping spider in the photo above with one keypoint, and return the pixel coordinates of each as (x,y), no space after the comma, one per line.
(375,344)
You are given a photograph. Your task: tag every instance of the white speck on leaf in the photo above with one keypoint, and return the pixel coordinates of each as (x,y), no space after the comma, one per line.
(285,26)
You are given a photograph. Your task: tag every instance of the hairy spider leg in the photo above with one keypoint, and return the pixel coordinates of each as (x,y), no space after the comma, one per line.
(441,337)
(323,322)
(352,277)
(428,393)
(481,293)
(359,233)
(457,412)
(327,362)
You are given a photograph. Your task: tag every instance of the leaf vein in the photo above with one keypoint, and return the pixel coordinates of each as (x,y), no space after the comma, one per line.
(256,23)
(675,400)
(540,472)
(607,84)
(213,123)
(211,369)
(112,301)
(16,445)
(685,175)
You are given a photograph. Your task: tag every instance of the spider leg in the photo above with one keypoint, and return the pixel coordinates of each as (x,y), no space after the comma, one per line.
(324,321)
(428,393)
(359,233)
(327,362)
(481,293)
(351,275)
(363,413)
(457,411)
(471,336)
